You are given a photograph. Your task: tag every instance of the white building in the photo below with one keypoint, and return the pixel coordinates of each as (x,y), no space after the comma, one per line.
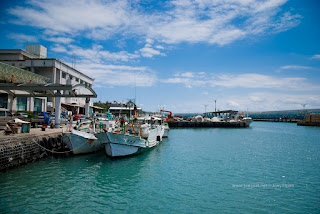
(34,59)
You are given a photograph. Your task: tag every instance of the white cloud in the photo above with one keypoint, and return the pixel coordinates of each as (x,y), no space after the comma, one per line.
(160,47)
(214,22)
(256,101)
(187,74)
(188,82)
(22,37)
(95,54)
(73,15)
(247,80)
(295,67)
(233,103)
(277,101)
(59,49)
(119,75)
(63,40)
(252,80)
(316,56)
(148,51)
(94,62)
(286,22)
(221,22)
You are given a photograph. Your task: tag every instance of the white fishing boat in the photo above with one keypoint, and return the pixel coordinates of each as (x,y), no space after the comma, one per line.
(247,120)
(134,138)
(166,130)
(84,140)
(80,142)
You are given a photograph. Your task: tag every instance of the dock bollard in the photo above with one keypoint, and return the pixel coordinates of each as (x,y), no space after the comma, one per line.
(44,126)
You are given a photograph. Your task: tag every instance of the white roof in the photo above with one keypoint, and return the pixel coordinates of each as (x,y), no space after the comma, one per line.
(122,108)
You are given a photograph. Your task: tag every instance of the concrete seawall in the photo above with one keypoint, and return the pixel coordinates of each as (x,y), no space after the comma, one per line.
(286,120)
(307,123)
(19,149)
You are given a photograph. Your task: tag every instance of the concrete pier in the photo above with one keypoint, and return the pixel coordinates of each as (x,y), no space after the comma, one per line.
(19,149)
(307,123)
(286,120)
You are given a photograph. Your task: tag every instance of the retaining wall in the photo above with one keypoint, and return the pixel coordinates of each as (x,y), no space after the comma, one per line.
(22,149)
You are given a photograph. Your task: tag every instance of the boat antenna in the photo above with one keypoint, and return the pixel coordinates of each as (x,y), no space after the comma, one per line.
(135,87)
(304,107)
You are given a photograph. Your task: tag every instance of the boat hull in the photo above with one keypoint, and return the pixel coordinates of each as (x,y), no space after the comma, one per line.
(120,145)
(78,144)
(119,150)
(165,133)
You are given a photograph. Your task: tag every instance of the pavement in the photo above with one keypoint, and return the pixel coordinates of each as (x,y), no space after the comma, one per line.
(33,132)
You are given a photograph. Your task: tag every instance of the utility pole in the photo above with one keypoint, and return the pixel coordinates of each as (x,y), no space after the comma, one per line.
(205,109)
(215,107)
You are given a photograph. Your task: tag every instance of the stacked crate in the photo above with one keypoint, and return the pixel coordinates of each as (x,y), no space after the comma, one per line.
(312,118)
(315,118)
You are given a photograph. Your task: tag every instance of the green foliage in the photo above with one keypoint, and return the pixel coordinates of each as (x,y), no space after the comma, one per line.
(33,116)
(102,105)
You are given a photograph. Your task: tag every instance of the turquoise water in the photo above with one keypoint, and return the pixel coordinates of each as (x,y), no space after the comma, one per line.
(267,168)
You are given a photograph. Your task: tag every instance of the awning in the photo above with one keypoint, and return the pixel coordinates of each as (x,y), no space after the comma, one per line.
(46,90)
(72,105)
(97,107)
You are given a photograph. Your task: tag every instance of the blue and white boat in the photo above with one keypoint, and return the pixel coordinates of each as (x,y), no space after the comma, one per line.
(85,138)
(133,138)
(80,142)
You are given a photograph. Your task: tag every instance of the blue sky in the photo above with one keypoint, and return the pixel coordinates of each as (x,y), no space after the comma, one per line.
(181,54)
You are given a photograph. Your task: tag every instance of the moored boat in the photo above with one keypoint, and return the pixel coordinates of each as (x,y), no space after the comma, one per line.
(247,120)
(84,138)
(80,142)
(166,130)
(133,138)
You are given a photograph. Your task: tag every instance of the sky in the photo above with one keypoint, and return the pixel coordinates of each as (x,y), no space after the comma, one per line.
(180,55)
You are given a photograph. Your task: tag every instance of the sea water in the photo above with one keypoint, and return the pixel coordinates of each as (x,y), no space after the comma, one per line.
(267,168)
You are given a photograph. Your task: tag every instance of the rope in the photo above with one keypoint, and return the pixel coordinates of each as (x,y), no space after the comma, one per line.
(55,151)
(49,149)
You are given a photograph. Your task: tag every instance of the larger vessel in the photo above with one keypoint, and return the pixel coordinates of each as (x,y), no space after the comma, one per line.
(134,137)
(85,137)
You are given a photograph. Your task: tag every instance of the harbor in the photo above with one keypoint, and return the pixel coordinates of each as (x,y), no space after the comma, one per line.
(209,169)
(177,106)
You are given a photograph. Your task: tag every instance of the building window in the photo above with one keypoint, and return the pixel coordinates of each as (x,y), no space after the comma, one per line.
(37,104)
(3,100)
(81,81)
(70,76)
(77,79)
(64,75)
(21,103)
